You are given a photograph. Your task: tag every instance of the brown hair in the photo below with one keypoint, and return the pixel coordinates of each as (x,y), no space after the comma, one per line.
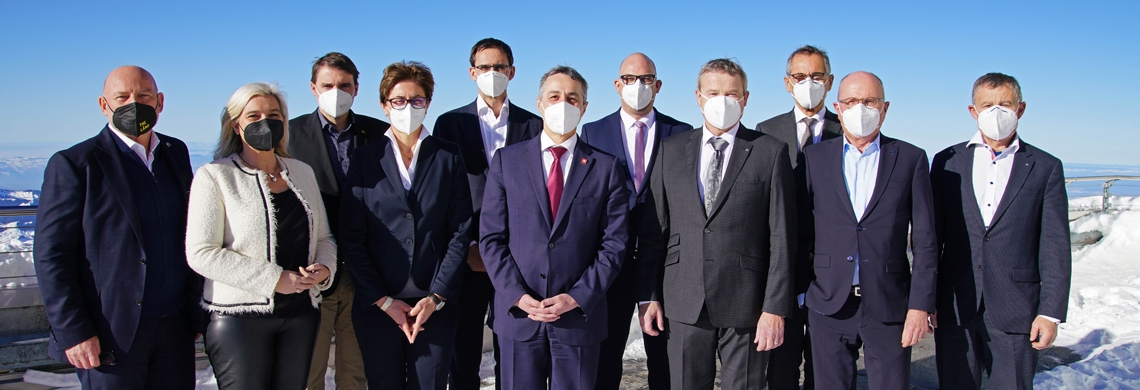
(338,61)
(406,71)
(492,43)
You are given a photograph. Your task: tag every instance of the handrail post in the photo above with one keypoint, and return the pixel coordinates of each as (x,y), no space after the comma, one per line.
(1104,200)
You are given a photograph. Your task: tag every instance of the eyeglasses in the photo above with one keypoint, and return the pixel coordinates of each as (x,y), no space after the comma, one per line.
(399,103)
(629,79)
(497,67)
(817,76)
(871,102)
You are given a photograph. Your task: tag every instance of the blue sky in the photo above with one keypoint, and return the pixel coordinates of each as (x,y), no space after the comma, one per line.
(1076,60)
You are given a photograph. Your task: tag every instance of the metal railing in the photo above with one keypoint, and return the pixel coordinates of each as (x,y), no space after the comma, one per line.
(1106,194)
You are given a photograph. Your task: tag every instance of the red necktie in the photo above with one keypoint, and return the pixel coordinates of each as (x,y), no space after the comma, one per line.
(554,180)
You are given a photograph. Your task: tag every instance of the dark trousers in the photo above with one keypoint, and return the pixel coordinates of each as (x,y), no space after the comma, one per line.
(261,353)
(531,364)
(693,349)
(784,361)
(622,306)
(390,362)
(962,352)
(839,336)
(476,294)
(161,357)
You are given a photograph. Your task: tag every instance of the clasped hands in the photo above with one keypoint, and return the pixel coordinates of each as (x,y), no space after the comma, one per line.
(305,278)
(408,318)
(546,310)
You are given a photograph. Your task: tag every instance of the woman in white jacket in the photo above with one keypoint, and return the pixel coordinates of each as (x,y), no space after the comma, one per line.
(258,233)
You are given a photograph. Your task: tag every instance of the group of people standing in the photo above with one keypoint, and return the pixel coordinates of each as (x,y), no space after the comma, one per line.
(794,244)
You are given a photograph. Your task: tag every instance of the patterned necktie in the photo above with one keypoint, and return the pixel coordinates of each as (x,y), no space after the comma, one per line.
(554,180)
(809,136)
(712,180)
(639,155)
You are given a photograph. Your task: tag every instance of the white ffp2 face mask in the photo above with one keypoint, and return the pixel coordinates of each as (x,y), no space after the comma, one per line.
(334,102)
(721,111)
(997,122)
(561,118)
(637,95)
(861,120)
(408,119)
(492,83)
(809,93)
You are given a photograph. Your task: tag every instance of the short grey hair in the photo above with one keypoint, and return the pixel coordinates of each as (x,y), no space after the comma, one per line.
(809,50)
(724,65)
(566,70)
(995,80)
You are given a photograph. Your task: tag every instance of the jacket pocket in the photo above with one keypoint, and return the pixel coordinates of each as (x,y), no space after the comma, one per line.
(673,253)
(754,263)
(897,266)
(1026,275)
(822,261)
(674,240)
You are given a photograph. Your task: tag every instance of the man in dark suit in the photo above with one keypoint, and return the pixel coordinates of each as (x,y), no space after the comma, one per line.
(325,139)
(559,248)
(480,129)
(720,224)
(1001,212)
(808,79)
(865,190)
(632,134)
(110,248)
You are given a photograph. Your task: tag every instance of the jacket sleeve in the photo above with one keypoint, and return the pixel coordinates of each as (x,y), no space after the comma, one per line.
(207,223)
(652,228)
(326,246)
(924,267)
(59,252)
(778,295)
(494,243)
(449,277)
(592,285)
(1055,262)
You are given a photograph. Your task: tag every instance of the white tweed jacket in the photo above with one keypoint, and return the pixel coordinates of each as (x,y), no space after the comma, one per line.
(231,233)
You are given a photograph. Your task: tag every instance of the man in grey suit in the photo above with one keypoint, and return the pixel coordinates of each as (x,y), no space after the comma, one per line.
(723,239)
(808,79)
(1001,212)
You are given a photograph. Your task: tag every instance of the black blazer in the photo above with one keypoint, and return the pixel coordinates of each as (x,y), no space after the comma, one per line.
(737,260)
(1022,264)
(307,143)
(89,245)
(388,233)
(901,199)
(606,134)
(461,126)
(783,127)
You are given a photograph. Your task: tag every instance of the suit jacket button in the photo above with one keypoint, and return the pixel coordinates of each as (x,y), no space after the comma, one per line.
(408,215)
(850,258)
(551,245)
(542,276)
(707,230)
(138,302)
(979,268)
(986,239)
(859,228)
(142,261)
(408,242)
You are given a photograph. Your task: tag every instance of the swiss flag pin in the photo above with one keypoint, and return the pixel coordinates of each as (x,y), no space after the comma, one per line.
(583,161)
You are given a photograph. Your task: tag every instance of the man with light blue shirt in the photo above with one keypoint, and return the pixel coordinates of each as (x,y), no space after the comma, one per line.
(866,192)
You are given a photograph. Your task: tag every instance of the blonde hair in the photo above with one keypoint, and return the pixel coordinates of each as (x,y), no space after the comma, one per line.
(229,142)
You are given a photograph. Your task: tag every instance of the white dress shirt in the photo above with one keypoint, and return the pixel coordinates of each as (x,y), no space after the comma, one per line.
(408,172)
(708,154)
(548,157)
(144,155)
(630,136)
(991,173)
(494,128)
(816,127)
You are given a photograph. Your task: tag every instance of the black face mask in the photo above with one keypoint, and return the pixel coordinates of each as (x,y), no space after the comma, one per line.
(134,119)
(264,134)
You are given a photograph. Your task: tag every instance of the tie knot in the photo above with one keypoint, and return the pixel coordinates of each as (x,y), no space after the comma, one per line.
(640,125)
(718,143)
(557,151)
(808,121)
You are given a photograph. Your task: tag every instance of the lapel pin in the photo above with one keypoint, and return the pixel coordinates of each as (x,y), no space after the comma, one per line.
(747,149)
(892,152)
(583,161)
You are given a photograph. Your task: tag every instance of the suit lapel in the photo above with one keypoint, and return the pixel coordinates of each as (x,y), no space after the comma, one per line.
(425,159)
(692,165)
(314,138)
(964,165)
(516,130)
(1022,165)
(391,170)
(534,168)
(888,155)
(831,126)
(110,158)
(579,167)
(658,137)
(835,158)
(740,151)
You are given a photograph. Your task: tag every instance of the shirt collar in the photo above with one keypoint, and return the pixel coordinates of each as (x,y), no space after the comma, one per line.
(729,135)
(325,122)
(130,143)
(873,147)
(483,108)
(800,115)
(977,140)
(546,142)
(627,120)
(392,136)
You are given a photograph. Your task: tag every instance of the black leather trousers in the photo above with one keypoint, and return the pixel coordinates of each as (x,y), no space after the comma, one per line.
(261,353)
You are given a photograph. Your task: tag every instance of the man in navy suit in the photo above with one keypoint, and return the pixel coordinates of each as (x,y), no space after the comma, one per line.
(1001,212)
(110,248)
(554,232)
(480,129)
(866,190)
(632,134)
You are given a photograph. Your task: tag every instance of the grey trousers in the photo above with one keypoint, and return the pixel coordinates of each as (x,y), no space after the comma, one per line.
(693,350)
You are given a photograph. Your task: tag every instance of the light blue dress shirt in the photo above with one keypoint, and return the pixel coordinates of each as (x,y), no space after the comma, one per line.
(860,170)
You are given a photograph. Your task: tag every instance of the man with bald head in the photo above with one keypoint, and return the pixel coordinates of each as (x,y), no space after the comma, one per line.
(632,133)
(110,248)
(865,190)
